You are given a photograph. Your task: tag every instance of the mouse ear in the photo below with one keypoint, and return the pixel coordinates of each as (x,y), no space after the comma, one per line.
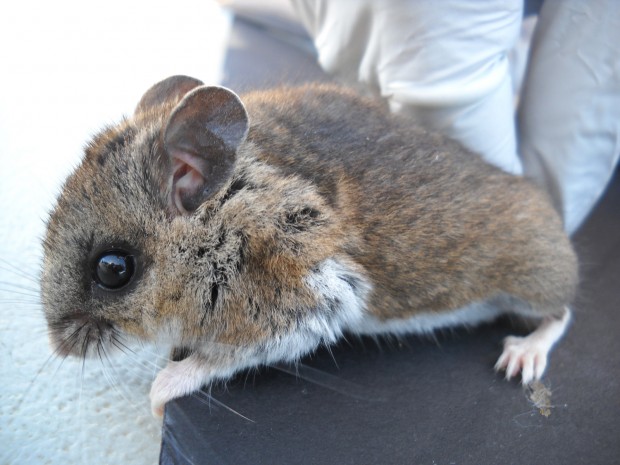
(201,139)
(170,89)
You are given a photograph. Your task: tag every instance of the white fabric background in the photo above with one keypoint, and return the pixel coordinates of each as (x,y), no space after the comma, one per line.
(446,63)
(66,69)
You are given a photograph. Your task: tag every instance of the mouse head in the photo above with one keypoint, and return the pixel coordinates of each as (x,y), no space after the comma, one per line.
(139,185)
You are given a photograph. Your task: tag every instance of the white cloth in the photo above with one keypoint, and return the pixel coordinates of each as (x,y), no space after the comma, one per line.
(446,63)
(569,115)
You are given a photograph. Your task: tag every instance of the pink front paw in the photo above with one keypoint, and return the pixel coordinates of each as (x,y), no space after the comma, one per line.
(177,379)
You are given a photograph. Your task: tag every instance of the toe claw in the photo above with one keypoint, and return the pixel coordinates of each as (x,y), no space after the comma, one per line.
(540,366)
(501,362)
(527,370)
(528,355)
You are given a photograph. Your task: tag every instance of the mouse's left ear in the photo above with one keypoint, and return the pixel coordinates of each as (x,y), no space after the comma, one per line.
(200,140)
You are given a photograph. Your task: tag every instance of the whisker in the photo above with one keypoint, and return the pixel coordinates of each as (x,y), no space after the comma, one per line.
(79,412)
(328,347)
(73,336)
(200,395)
(150,365)
(145,365)
(115,385)
(19,286)
(21,302)
(82,371)
(55,355)
(86,341)
(178,450)
(120,346)
(51,357)
(117,341)
(13,291)
(328,381)
(16,271)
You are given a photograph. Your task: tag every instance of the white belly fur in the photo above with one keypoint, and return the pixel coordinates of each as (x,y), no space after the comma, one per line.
(337,282)
(426,323)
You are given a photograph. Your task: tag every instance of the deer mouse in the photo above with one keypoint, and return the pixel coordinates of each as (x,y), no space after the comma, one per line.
(251,230)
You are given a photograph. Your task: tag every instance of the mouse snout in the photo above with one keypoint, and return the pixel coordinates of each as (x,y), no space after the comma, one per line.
(79,335)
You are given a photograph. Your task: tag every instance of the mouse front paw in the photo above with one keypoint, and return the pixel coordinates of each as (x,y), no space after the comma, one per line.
(177,379)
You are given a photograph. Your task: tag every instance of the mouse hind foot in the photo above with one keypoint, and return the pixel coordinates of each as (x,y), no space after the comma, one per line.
(528,354)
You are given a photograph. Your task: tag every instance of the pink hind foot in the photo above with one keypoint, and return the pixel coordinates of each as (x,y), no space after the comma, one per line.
(528,355)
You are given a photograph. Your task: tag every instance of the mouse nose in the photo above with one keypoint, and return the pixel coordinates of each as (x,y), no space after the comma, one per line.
(77,334)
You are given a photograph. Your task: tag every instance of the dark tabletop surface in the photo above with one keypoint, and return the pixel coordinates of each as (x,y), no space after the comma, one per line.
(417,401)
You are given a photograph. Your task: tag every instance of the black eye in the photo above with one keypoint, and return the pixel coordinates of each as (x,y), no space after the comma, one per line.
(114,269)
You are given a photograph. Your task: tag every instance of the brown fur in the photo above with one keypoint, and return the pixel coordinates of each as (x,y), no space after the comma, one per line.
(323,173)
(433,226)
